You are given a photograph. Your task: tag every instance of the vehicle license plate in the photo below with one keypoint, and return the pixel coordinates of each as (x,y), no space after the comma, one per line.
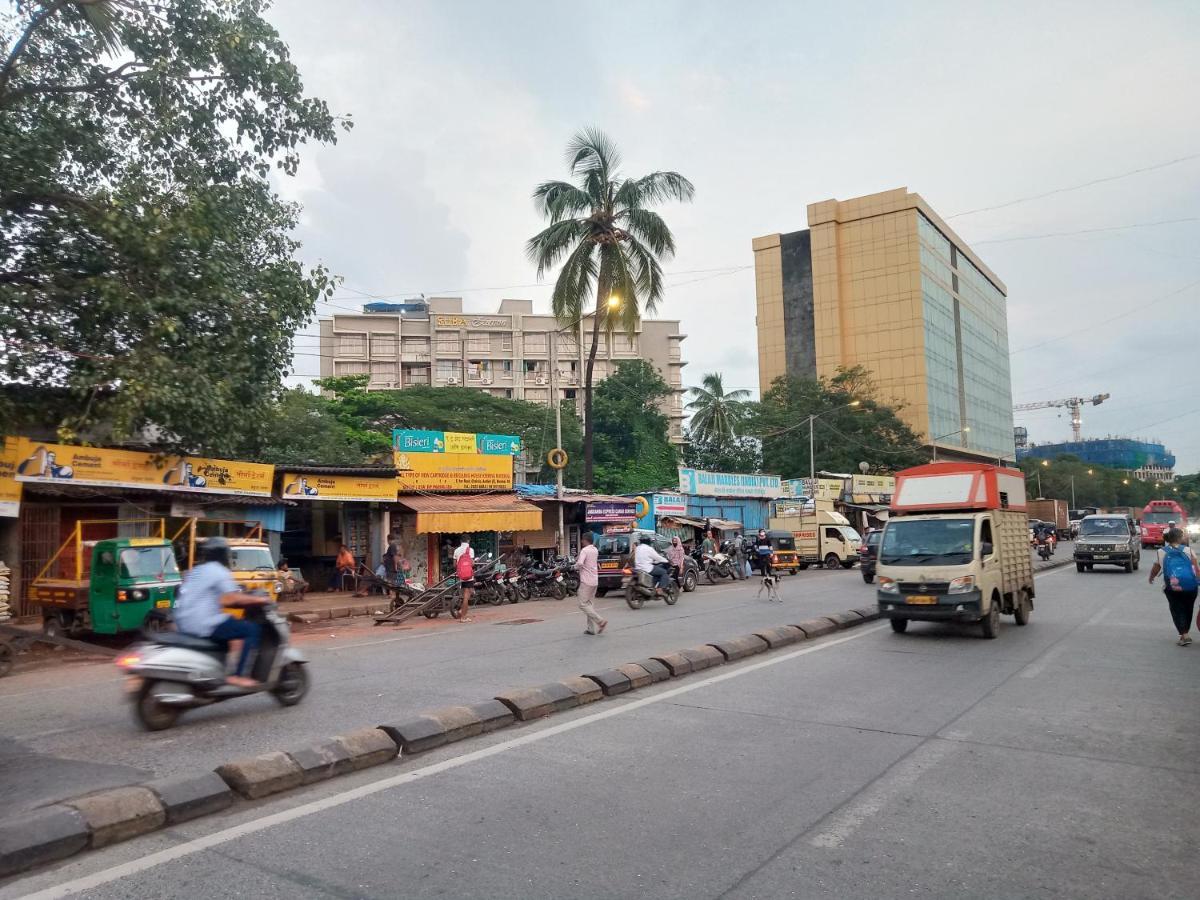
(614,564)
(1099,556)
(921,599)
(162,604)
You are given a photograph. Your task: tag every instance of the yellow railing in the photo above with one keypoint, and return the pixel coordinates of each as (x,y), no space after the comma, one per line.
(254,532)
(76,539)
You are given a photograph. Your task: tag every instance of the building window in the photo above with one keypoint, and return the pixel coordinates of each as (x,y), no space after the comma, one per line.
(506,368)
(569,394)
(384,345)
(350,345)
(535,343)
(448,345)
(449,368)
(479,343)
(506,341)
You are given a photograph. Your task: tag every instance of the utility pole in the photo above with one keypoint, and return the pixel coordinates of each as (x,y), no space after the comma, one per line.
(1073,506)
(558,473)
(812,459)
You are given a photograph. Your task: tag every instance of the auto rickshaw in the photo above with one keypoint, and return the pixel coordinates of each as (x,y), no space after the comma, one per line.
(784,557)
(107,586)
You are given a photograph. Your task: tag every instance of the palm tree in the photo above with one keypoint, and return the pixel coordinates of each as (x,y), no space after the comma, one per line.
(716,415)
(610,244)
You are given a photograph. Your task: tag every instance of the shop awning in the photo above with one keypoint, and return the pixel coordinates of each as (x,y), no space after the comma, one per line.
(447,514)
(720,524)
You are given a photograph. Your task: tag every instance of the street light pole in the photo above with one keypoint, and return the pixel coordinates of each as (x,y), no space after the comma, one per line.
(558,473)
(812,457)
(1073,506)
(966,429)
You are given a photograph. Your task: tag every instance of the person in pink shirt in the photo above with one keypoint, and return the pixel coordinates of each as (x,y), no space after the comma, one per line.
(589,577)
(675,556)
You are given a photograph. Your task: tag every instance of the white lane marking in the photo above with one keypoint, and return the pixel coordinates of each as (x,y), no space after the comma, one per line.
(1034,669)
(846,822)
(90,882)
(1098,617)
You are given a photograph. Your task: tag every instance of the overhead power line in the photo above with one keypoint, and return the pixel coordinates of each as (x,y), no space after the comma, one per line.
(1078,187)
(1054,234)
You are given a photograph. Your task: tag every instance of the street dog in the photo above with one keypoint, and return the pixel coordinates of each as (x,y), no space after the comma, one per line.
(770,584)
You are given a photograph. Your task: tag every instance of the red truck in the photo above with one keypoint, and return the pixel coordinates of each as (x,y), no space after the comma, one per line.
(1156,518)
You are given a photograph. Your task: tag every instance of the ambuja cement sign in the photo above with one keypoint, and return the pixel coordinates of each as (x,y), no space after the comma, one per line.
(727,484)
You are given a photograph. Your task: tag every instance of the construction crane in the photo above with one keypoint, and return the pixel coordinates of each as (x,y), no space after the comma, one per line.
(1074,404)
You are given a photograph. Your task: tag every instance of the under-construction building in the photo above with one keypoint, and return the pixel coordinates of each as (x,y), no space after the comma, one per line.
(1144,460)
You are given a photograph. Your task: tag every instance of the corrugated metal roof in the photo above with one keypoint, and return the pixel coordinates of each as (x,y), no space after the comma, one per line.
(365,471)
(449,503)
(119,494)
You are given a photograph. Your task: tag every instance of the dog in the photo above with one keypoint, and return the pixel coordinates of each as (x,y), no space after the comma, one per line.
(770,584)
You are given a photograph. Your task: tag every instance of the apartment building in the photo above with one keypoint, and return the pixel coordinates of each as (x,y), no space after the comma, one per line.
(514,352)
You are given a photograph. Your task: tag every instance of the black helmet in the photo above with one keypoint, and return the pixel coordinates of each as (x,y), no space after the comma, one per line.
(216,549)
(645,539)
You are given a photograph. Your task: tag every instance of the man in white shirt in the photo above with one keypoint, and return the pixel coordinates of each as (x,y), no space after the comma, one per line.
(589,579)
(647,559)
(466,575)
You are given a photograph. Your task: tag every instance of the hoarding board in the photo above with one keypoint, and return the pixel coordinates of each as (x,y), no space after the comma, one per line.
(10,488)
(453,472)
(611,511)
(363,488)
(727,484)
(408,440)
(43,462)
(670,505)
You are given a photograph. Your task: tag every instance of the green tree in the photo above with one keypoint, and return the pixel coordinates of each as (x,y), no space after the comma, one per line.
(370,416)
(716,415)
(148,276)
(740,454)
(308,429)
(633,452)
(610,244)
(845,435)
(1094,485)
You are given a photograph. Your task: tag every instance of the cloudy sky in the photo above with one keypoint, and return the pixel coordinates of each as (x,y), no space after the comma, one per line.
(461,106)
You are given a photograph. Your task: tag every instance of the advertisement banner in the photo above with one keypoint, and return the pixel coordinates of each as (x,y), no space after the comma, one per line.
(725,484)
(64,464)
(298,486)
(611,511)
(670,505)
(826,489)
(407,440)
(10,488)
(872,488)
(453,472)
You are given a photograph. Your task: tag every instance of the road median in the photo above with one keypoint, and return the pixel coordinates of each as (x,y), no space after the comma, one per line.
(101,818)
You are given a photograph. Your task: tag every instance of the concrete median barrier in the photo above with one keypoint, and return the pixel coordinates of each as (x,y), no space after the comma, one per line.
(321,761)
(534,703)
(187,797)
(741,647)
(584,689)
(868,613)
(703,657)
(611,681)
(675,663)
(846,619)
(637,676)
(119,814)
(781,636)
(39,837)
(368,747)
(655,669)
(815,628)
(262,775)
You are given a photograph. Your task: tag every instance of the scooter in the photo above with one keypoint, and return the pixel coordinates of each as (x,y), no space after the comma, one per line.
(172,671)
(1044,548)
(640,587)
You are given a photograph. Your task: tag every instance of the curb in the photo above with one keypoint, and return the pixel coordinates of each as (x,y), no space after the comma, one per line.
(61,830)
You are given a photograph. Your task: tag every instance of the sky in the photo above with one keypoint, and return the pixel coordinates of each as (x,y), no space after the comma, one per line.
(462,106)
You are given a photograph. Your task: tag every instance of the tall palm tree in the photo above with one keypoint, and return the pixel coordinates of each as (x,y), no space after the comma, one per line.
(716,415)
(610,244)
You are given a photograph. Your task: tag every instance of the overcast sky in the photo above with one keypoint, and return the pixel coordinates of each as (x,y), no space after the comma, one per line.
(462,107)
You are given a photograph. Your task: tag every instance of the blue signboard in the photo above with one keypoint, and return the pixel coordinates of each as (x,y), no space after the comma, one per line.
(498,444)
(407,440)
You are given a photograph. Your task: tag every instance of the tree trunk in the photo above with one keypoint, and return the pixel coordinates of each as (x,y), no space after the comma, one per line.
(601,291)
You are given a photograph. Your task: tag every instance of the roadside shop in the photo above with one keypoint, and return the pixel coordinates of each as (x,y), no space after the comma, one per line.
(727,502)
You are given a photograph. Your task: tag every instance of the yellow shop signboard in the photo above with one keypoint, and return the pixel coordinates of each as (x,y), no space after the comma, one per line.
(453,471)
(300,486)
(38,461)
(10,488)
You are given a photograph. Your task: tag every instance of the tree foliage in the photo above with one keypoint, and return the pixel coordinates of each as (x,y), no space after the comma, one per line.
(367,418)
(609,242)
(1095,485)
(717,415)
(142,248)
(738,454)
(845,435)
(633,452)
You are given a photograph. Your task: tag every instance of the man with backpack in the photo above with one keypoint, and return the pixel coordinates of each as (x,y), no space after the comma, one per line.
(1181,580)
(464,568)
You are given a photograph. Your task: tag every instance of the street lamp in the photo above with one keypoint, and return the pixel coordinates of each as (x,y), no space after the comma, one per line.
(613,301)
(966,429)
(812,458)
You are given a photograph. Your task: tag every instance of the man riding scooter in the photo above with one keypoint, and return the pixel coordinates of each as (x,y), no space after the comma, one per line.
(647,559)
(198,610)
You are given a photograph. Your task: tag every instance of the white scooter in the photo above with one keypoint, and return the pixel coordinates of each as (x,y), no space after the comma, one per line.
(173,671)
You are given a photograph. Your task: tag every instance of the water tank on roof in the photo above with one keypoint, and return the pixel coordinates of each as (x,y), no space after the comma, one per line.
(407,308)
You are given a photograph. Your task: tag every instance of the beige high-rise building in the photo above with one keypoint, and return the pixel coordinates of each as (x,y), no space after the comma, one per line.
(512,353)
(884,283)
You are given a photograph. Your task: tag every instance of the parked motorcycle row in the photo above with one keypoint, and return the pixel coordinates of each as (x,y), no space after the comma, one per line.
(529,581)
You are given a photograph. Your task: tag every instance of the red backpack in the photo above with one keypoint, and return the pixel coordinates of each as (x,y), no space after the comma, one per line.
(465,567)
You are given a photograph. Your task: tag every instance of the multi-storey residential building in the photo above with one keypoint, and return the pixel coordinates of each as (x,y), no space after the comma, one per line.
(882,282)
(514,353)
(1143,460)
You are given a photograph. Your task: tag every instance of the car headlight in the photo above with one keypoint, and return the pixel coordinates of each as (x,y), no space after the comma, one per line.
(964,584)
(137,594)
(888,586)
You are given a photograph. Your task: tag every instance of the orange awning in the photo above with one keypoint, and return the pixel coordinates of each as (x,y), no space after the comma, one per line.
(448,514)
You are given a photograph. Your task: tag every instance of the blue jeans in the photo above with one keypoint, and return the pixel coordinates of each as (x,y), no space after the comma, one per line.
(239,630)
(662,576)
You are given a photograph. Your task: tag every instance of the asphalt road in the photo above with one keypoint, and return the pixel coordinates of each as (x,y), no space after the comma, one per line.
(1056,761)
(69,729)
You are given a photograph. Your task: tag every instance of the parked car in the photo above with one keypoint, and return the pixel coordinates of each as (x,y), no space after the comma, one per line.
(868,554)
(613,554)
(1108,540)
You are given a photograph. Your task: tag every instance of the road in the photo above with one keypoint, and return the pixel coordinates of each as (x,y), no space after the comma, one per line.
(1056,761)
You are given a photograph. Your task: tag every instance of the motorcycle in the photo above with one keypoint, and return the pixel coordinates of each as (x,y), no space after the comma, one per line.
(1044,549)
(494,588)
(640,587)
(717,565)
(566,565)
(513,588)
(171,671)
(546,583)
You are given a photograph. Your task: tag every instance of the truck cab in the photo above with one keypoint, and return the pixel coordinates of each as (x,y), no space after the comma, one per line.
(955,548)
(1157,518)
(822,537)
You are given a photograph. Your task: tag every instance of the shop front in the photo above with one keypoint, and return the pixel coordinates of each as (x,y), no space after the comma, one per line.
(490,522)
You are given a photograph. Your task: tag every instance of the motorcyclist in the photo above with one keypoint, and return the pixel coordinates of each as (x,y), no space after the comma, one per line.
(198,609)
(676,557)
(647,559)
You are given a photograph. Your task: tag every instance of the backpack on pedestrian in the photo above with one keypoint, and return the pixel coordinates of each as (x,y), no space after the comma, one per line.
(1179,571)
(465,567)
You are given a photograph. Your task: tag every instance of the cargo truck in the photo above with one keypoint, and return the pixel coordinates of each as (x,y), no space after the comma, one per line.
(1055,512)
(956,548)
(822,537)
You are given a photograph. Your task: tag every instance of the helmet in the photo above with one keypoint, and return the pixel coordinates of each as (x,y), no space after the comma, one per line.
(645,539)
(216,549)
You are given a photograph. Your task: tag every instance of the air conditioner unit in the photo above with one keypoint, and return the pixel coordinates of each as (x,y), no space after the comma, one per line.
(451,380)
(485,381)
(541,379)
